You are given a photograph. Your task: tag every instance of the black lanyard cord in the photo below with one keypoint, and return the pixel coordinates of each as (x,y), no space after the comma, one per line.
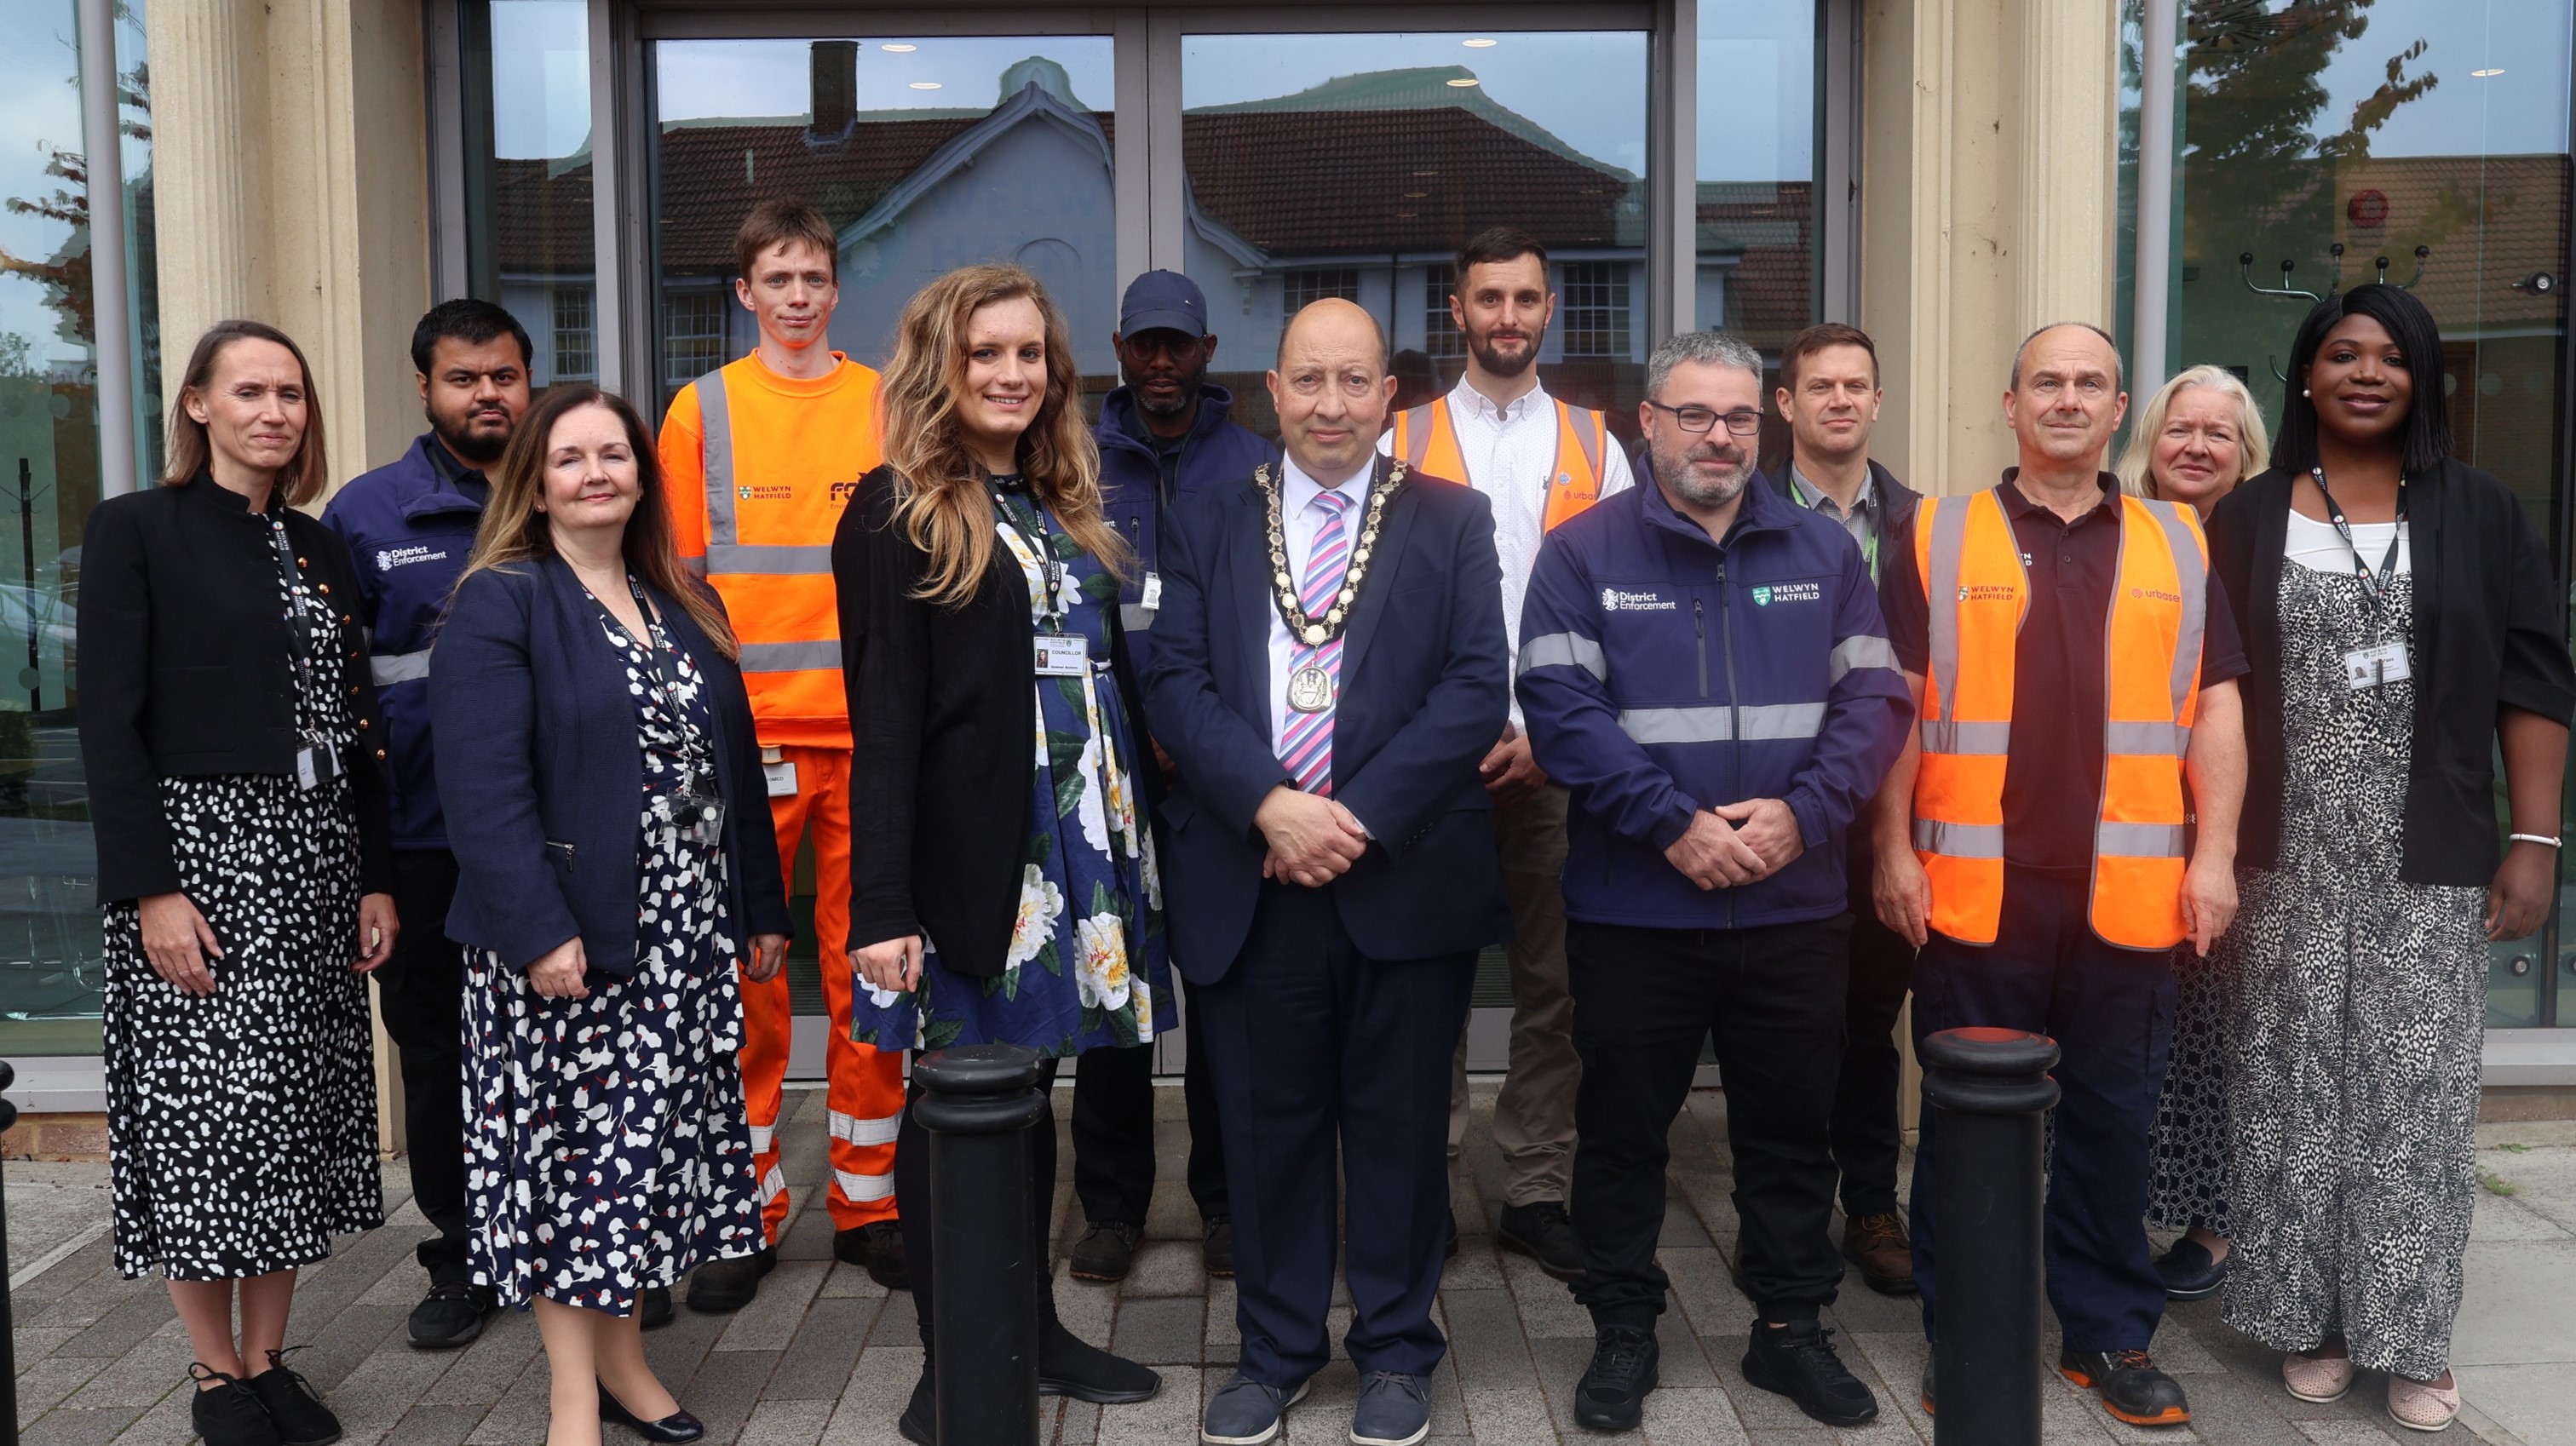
(300,627)
(2372,583)
(1038,543)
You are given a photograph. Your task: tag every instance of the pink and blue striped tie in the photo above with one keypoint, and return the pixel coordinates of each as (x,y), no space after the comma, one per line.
(1306,744)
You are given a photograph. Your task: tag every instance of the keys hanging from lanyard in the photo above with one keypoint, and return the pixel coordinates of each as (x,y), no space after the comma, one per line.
(300,623)
(1040,545)
(2372,583)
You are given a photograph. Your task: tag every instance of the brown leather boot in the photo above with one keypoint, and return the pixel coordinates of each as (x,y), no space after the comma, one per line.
(1877,1244)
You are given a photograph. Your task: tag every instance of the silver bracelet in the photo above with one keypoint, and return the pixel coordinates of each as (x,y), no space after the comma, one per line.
(2538,838)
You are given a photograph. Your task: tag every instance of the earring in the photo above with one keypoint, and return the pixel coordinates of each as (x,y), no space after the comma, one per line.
(2303,391)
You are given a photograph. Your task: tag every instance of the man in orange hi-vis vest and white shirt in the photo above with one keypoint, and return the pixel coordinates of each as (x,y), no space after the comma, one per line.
(1539,462)
(2074,668)
(761,456)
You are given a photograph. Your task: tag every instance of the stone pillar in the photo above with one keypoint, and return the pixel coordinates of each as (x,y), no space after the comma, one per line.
(1988,200)
(208,95)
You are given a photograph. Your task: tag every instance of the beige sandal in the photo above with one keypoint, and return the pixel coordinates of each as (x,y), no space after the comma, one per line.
(2317,1378)
(2419,1407)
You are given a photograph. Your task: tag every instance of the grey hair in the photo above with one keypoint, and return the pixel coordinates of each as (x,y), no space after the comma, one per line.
(1706,348)
(2119,366)
(2254,445)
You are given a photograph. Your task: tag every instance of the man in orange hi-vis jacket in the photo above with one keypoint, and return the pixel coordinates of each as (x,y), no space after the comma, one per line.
(761,456)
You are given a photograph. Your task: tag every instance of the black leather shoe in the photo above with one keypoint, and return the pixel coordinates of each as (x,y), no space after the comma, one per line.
(1612,1394)
(671,1430)
(293,1405)
(1797,1360)
(451,1315)
(877,1248)
(1106,1251)
(653,1308)
(1217,1250)
(2132,1388)
(920,1414)
(228,1414)
(720,1286)
(1542,1232)
(2190,1272)
(1068,1365)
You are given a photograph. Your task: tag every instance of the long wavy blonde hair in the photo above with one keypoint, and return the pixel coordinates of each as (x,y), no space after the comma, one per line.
(939,488)
(2253,443)
(514,531)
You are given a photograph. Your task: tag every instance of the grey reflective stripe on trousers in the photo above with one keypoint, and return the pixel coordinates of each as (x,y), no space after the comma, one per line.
(725,552)
(1959,840)
(2137,840)
(790,657)
(1860,651)
(1563,650)
(1720,724)
(388,669)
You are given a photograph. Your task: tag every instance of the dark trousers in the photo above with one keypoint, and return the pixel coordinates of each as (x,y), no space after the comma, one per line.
(1113,1129)
(912,1182)
(1865,1133)
(423,993)
(1643,1001)
(1318,1050)
(2111,1012)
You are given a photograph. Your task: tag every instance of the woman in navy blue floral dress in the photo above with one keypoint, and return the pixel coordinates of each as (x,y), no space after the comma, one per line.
(1002,869)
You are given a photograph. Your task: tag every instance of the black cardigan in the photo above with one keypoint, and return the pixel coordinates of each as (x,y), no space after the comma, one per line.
(942,714)
(185,670)
(2489,634)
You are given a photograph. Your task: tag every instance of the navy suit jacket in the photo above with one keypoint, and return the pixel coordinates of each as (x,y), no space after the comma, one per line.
(541,772)
(1425,688)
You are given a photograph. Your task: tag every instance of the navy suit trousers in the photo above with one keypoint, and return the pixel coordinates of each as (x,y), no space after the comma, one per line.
(1314,1046)
(2111,1012)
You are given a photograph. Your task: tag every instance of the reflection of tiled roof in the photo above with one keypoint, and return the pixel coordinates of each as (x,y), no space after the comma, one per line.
(1306,183)
(1771,292)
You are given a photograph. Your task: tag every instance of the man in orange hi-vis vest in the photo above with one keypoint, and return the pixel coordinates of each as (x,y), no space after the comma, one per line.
(2074,667)
(1539,462)
(761,456)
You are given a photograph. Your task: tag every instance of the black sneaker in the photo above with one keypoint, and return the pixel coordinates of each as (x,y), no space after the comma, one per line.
(877,1248)
(1106,1251)
(1543,1233)
(293,1405)
(722,1286)
(450,1316)
(1797,1360)
(1612,1394)
(1217,1250)
(2133,1390)
(229,1414)
(1068,1365)
(920,1418)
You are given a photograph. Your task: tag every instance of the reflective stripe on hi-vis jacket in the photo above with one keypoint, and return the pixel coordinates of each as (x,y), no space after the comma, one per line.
(1979,592)
(779,468)
(1428,442)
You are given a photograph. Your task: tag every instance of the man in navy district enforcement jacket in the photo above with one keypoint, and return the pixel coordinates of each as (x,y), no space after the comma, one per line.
(1703,664)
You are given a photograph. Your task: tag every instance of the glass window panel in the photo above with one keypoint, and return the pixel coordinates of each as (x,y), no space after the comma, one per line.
(924,152)
(49,481)
(529,239)
(1757,169)
(2428,137)
(1370,159)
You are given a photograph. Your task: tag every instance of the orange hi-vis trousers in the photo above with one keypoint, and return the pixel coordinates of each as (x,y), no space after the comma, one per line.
(866,1084)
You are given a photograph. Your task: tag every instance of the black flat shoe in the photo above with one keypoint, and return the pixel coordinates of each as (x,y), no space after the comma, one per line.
(229,1414)
(653,1308)
(2190,1272)
(293,1404)
(671,1430)
(920,1416)
(1068,1365)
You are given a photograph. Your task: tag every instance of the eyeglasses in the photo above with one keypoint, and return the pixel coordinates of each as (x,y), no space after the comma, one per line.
(1697,420)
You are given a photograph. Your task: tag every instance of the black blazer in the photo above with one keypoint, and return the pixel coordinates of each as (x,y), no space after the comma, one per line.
(541,772)
(943,705)
(1425,686)
(185,670)
(2489,634)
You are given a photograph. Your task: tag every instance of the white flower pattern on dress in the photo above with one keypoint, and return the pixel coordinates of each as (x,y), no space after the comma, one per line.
(1041,904)
(1100,960)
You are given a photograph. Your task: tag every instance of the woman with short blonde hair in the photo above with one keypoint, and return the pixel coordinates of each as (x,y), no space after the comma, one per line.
(2197,437)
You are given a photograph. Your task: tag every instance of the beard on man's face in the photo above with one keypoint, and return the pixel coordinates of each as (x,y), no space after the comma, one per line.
(1164,394)
(470,434)
(1707,473)
(1503,363)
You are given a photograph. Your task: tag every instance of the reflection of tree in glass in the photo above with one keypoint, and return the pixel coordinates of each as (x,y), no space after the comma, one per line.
(66,274)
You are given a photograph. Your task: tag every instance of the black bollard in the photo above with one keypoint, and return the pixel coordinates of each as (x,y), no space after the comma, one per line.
(978,1103)
(8,1325)
(1990,1087)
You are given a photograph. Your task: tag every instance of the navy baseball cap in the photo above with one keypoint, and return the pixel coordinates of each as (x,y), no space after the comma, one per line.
(1163,301)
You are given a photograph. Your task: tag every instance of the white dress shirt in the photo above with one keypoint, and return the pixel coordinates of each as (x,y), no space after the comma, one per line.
(1299,521)
(1510,452)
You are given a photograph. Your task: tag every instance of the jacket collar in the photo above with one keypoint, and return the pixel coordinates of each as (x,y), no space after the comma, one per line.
(1766,508)
(204,488)
(442,497)
(1120,426)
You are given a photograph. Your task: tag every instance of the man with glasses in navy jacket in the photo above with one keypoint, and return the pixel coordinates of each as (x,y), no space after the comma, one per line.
(1704,665)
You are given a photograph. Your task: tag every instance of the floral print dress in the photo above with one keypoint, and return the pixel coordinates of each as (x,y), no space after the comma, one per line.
(1087,964)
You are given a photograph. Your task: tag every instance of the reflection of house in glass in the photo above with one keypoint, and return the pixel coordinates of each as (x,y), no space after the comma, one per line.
(1362,187)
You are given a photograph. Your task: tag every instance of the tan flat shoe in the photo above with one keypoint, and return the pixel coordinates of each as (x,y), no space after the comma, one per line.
(2316,1378)
(2419,1407)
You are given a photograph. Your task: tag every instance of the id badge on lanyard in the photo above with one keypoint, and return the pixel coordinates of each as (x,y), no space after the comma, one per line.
(1063,655)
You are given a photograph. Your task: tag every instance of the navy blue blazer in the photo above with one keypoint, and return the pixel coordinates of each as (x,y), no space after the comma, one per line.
(1425,693)
(541,772)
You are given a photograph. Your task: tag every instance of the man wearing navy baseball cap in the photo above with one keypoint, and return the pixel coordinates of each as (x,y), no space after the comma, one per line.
(1164,434)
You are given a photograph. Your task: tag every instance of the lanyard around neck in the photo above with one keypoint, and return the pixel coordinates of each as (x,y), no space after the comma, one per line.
(2372,583)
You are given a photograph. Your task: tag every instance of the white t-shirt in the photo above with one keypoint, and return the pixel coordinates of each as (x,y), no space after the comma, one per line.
(2319,548)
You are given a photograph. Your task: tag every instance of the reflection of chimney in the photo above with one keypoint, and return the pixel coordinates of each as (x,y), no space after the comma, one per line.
(836,94)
